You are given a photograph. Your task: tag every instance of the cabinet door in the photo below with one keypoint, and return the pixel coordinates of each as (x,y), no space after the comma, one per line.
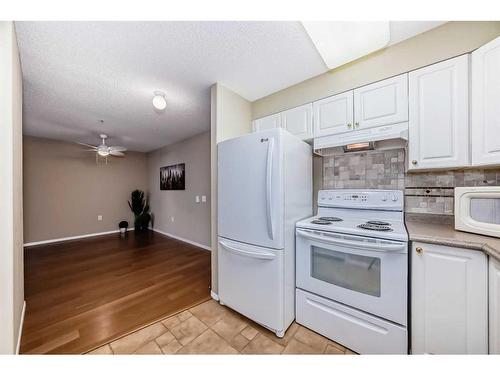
(449,300)
(381,103)
(333,115)
(298,121)
(494,305)
(438,126)
(486,104)
(266,123)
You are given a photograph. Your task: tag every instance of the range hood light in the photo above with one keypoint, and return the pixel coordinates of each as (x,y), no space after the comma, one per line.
(358,147)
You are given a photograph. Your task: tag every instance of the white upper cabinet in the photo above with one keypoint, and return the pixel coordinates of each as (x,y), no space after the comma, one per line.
(486,104)
(494,305)
(268,122)
(439,116)
(449,296)
(298,121)
(334,114)
(381,103)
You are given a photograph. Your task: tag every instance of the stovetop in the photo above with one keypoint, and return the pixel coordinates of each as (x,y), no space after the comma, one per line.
(343,211)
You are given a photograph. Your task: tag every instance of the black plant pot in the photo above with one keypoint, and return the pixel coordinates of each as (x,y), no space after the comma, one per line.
(141,223)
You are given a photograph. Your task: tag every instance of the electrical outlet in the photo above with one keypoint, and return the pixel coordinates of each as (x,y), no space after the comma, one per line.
(203,198)
(172,219)
(99,217)
(197,199)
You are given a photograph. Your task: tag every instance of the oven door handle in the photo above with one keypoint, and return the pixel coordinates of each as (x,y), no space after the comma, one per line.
(354,244)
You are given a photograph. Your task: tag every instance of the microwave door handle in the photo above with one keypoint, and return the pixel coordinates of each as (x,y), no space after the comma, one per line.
(248,254)
(269,188)
(355,244)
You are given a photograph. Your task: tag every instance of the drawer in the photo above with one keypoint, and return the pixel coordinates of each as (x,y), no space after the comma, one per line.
(359,331)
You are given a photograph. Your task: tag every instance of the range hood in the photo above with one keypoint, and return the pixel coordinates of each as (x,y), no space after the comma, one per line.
(387,136)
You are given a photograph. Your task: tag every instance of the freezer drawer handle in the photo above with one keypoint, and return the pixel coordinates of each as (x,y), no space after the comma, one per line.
(250,254)
(269,190)
(355,244)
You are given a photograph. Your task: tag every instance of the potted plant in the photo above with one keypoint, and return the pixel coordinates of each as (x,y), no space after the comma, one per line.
(139,205)
(123,225)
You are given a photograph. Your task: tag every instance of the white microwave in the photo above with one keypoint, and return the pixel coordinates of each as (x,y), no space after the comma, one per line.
(477,210)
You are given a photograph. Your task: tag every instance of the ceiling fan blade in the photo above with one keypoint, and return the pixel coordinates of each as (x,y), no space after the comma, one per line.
(87,145)
(117,148)
(116,153)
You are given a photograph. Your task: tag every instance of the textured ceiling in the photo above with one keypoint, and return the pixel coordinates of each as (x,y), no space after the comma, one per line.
(76,73)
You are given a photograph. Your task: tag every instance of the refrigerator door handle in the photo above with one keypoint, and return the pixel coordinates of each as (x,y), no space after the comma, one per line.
(269,188)
(249,254)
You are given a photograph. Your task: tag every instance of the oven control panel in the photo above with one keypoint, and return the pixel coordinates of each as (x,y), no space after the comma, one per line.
(363,199)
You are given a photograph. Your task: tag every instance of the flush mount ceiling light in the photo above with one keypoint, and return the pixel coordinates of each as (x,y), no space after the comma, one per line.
(159,101)
(339,42)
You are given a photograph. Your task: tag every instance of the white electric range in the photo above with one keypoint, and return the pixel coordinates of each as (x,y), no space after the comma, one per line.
(352,270)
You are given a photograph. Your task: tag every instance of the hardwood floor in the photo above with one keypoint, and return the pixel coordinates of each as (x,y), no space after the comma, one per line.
(81,294)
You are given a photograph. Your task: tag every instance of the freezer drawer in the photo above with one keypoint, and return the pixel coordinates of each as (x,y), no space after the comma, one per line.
(361,332)
(251,282)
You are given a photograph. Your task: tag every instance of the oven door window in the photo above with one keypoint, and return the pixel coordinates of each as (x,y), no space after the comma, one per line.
(355,272)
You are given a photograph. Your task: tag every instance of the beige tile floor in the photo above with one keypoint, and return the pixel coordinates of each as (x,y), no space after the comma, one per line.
(210,328)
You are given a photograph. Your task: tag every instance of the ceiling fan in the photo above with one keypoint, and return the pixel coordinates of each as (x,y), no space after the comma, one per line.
(104,150)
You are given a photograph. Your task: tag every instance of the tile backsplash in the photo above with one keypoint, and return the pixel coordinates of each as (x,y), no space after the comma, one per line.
(425,192)
(365,170)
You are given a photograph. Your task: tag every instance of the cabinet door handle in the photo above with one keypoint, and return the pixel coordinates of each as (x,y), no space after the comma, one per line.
(414,162)
(356,124)
(419,250)
(349,125)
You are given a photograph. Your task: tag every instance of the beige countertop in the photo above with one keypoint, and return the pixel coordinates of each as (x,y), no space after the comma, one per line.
(445,234)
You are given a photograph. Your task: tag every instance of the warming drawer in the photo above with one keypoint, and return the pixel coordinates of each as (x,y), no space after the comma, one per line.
(361,332)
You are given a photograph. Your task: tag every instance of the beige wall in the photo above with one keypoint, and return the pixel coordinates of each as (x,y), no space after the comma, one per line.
(11,203)
(231,116)
(65,190)
(446,41)
(191,219)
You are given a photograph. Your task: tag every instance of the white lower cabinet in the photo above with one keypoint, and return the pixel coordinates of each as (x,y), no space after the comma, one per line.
(449,300)
(494,305)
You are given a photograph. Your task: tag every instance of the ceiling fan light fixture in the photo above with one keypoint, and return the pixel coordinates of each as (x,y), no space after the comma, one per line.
(159,101)
(103,151)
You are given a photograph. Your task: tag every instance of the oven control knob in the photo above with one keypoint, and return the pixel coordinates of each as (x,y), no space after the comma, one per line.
(384,198)
(394,198)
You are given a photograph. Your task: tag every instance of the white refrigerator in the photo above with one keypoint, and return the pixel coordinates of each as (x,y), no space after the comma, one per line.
(264,188)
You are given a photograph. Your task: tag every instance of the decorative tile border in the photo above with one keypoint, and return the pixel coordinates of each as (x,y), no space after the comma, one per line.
(425,192)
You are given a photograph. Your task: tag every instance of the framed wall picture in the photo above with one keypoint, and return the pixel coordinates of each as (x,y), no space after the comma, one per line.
(173,177)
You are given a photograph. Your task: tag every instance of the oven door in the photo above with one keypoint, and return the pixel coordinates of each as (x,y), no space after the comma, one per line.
(366,273)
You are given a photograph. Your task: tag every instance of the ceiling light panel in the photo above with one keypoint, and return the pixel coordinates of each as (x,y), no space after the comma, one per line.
(340,42)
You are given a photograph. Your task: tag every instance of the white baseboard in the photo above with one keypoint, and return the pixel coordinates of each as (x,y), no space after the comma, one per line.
(72,238)
(214,295)
(205,247)
(21,324)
